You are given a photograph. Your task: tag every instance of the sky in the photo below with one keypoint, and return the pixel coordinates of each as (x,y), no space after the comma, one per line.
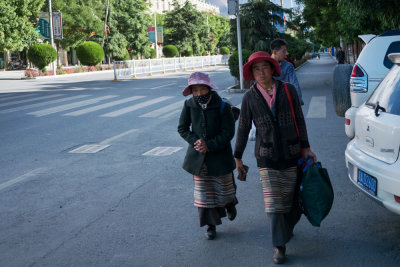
(222,4)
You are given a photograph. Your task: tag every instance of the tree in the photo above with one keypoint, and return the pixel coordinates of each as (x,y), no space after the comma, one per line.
(219,28)
(16,28)
(186,28)
(256,24)
(130,19)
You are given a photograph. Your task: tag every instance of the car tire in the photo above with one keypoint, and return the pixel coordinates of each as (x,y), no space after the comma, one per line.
(341,88)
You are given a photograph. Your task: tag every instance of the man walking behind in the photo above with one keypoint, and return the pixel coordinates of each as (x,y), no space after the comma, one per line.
(288,74)
(340,56)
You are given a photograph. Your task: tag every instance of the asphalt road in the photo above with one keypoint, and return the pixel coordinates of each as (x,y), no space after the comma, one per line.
(126,206)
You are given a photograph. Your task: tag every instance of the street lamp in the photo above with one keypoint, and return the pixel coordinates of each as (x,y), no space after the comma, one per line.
(52,38)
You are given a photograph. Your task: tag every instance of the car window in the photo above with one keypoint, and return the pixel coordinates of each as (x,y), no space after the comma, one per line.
(388,92)
(393,48)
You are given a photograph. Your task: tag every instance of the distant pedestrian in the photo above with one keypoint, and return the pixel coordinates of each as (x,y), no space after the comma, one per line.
(288,74)
(208,125)
(278,144)
(340,56)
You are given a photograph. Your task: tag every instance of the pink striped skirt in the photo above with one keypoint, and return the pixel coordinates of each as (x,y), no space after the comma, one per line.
(278,189)
(213,191)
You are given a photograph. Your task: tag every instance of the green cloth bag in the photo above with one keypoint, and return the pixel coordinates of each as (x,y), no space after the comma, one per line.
(316,192)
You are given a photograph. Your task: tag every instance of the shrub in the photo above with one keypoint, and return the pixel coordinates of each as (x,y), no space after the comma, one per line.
(90,53)
(234,62)
(187,52)
(31,73)
(153,53)
(124,57)
(170,51)
(42,55)
(224,50)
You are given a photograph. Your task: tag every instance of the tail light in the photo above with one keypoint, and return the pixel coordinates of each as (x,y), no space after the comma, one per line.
(358,80)
(347,121)
(397,198)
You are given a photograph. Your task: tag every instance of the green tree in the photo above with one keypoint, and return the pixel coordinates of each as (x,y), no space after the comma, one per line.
(219,28)
(186,28)
(130,19)
(256,24)
(16,28)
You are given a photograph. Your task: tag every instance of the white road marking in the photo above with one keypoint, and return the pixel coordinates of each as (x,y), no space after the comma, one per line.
(29,100)
(108,140)
(317,108)
(102,106)
(171,114)
(70,106)
(164,110)
(42,104)
(135,107)
(165,85)
(22,177)
(89,149)
(14,97)
(162,151)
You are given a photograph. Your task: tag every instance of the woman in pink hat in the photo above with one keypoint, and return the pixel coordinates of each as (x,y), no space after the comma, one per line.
(281,139)
(207,124)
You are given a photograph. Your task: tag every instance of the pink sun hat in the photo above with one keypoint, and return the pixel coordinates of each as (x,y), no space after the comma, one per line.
(198,78)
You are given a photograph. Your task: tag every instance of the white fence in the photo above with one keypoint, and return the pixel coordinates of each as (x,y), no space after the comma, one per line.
(131,68)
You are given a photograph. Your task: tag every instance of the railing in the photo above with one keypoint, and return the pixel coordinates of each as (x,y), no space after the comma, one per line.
(131,68)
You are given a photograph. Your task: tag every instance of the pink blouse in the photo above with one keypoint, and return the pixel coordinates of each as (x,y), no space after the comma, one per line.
(270,99)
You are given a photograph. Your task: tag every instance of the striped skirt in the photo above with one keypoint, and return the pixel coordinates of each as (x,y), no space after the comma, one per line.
(213,191)
(278,189)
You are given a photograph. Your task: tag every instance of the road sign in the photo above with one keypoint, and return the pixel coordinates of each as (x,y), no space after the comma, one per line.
(152,34)
(57,25)
(160,38)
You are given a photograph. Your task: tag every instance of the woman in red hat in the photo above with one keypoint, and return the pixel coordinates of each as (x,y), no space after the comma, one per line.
(281,139)
(208,125)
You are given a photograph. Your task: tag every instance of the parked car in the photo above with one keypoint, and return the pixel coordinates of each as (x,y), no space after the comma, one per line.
(371,67)
(372,157)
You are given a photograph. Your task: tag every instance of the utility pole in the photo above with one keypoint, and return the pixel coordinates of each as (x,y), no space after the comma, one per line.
(155,31)
(52,38)
(239,37)
(105,23)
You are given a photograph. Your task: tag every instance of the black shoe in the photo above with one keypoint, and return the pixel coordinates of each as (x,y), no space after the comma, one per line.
(211,232)
(279,255)
(231,210)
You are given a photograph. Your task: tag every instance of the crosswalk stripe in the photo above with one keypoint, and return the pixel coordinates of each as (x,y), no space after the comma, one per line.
(165,85)
(171,114)
(163,111)
(49,111)
(41,104)
(29,100)
(135,107)
(102,106)
(14,97)
(317,107)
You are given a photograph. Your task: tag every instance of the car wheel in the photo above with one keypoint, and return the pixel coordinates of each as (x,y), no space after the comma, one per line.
(341,88)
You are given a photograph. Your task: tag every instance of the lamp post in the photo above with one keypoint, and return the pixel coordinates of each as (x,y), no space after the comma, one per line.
(155,31)
(52,38)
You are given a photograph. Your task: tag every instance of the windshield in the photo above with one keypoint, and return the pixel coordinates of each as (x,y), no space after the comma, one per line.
(388,92)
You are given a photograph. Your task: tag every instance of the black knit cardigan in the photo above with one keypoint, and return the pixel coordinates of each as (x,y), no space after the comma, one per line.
(277,145)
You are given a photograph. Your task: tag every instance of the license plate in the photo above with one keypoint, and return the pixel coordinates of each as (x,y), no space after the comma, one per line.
(368,182)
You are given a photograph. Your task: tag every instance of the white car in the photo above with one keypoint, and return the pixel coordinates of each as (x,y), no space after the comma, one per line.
(372,157)
(371,67)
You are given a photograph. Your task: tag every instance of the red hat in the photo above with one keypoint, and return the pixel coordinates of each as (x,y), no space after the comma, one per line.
(258,57)
(198,78)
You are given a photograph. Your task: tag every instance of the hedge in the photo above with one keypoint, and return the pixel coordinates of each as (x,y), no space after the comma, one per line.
(224,50)
(170,51)
(234,62)
(42,55)
(90,53)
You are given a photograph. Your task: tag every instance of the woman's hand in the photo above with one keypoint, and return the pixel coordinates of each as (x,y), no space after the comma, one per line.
(239,165)
(307,153)
(201,146)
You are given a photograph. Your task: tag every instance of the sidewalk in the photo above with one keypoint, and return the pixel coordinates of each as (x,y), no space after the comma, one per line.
(11,74)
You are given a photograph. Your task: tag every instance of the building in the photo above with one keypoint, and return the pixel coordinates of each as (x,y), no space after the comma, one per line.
(167,5)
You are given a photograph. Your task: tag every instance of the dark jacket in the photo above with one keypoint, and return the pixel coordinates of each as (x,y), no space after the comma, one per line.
(216,128)
(277,143)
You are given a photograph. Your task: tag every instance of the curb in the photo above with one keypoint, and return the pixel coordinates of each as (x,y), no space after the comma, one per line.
(67,75)
(230,90)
